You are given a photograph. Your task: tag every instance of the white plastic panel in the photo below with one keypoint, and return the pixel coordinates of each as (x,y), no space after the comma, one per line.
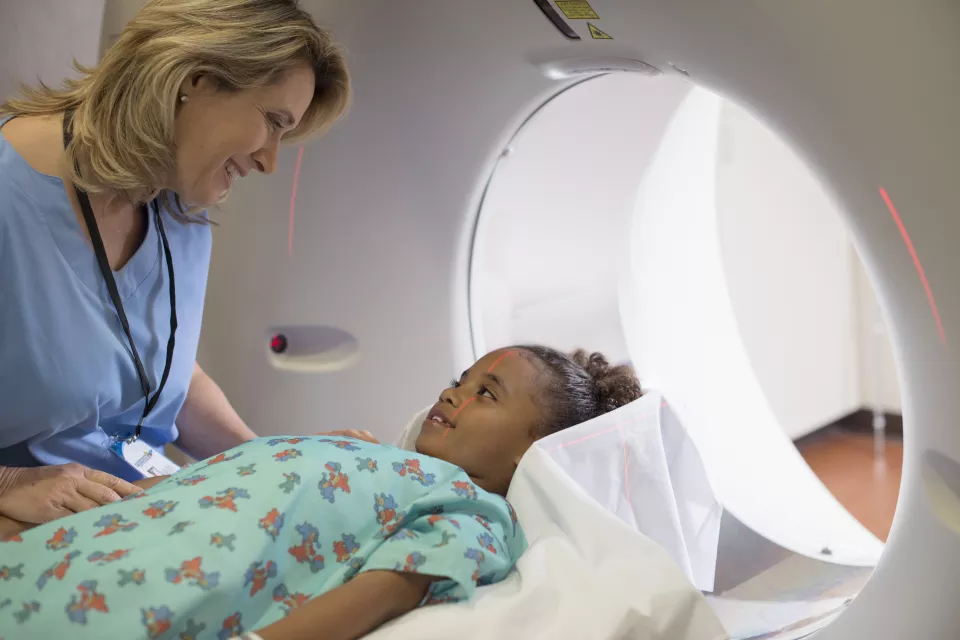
(311,348)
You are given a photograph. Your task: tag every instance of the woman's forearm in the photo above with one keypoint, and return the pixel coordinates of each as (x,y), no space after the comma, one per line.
(354,609)
(208,423)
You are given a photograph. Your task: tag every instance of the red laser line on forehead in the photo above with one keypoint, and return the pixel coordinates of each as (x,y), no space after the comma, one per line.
(464,405)
(500,359)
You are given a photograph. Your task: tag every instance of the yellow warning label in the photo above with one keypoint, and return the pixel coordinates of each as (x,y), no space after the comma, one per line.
(577,10)
(596,34)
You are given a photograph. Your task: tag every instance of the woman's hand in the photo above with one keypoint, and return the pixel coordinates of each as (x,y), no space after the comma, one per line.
(352,433)
(41,494)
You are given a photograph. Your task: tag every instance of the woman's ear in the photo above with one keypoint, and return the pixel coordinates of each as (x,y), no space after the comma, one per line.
(189,84)
(197,83)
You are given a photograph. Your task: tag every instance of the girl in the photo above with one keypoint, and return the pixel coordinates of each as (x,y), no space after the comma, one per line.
(311,537)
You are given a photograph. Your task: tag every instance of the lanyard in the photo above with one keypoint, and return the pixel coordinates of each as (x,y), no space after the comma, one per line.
(107,273)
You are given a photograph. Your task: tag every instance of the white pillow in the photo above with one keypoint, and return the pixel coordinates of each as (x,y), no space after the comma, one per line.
(638,464)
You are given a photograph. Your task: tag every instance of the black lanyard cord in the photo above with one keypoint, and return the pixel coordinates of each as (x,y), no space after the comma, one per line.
(94,230)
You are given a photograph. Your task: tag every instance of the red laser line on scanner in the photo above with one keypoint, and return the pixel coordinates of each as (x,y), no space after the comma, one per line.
(293,202)
(916,262)
(464,405)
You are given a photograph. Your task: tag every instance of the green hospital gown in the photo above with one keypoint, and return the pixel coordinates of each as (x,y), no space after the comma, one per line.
(240,540)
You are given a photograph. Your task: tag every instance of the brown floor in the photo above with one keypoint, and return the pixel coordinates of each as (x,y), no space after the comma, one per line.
(844,461)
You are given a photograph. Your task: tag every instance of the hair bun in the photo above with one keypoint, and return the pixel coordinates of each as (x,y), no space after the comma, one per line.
(615,386)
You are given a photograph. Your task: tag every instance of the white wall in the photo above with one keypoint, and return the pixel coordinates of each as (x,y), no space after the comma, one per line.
(42,37)
(117,13)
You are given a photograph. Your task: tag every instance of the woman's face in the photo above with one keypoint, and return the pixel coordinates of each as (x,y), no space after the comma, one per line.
(487,420)
(221,136)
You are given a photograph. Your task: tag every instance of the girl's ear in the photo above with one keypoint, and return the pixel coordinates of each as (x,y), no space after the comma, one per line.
(516,460)
(530,441)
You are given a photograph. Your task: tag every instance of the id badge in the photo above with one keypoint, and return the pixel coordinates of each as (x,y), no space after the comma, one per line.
(144,458)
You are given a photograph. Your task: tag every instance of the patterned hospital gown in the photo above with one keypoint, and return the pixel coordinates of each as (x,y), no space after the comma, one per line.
(239,540)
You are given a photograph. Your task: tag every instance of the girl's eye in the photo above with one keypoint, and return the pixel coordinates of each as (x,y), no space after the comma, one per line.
(454,384)
(484,389)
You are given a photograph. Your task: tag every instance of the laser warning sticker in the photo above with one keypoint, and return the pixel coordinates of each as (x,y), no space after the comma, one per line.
(596,34)
(577,10)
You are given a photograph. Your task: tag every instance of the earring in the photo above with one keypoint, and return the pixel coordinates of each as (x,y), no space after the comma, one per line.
(184,99)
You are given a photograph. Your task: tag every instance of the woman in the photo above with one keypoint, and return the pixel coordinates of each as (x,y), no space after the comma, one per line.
(306,537)
(105,243)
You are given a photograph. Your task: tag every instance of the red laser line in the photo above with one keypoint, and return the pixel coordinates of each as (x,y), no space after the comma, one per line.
(585,438)
(293,202)
(464,405)
(610,430)
(508,353)
(916,262)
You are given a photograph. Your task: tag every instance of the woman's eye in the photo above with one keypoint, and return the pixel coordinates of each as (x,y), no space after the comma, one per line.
(483,390)
(454,384)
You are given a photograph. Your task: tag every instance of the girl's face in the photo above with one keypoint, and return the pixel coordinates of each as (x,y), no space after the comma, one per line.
(222,136)
(485,421)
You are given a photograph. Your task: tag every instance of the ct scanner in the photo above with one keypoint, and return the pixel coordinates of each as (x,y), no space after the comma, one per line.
(372,284)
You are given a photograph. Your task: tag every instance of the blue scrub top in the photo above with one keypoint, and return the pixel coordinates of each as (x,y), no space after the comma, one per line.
(67,379)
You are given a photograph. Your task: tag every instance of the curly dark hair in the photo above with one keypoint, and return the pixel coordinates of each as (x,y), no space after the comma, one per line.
(582,386)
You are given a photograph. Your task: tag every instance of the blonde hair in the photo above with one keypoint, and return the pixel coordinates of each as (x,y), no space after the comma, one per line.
(124,107)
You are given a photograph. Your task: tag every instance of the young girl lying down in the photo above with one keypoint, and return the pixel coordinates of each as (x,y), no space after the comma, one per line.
(315,537)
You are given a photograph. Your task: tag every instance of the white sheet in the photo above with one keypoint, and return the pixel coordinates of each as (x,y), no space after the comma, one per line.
(639,464)
(586,575)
